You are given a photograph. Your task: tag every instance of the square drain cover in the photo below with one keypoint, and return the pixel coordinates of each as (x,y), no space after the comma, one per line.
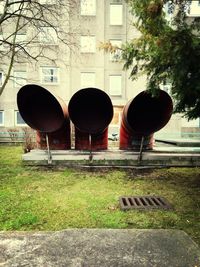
(144,202)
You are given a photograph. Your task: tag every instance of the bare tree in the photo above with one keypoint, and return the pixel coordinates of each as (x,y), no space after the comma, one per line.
(28,26)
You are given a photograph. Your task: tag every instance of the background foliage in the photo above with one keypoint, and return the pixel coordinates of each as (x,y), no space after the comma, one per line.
(167,51)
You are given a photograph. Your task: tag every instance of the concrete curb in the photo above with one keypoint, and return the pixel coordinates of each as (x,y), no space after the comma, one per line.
(99,248)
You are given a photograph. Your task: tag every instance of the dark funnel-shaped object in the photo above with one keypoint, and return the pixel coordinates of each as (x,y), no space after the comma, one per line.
(143,116)
(40,109)
(90,110)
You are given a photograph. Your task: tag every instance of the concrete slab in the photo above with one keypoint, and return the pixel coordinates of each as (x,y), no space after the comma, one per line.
(180,142)
(99,248)
(159,157)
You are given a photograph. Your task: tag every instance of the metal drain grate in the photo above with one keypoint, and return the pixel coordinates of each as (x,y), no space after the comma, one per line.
(144,202)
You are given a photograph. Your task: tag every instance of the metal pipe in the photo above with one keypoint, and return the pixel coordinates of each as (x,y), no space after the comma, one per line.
(91,111)
(60,139)
(40,109)
(46,113)
(83,141)
(142,116)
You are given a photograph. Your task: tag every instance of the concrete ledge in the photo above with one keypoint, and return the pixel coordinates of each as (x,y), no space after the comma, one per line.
(99,248)
(180,142)
(72,158)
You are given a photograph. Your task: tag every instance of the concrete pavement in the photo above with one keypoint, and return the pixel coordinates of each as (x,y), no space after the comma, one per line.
(99,248)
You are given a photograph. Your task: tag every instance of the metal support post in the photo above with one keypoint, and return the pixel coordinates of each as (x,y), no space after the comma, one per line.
(90,143)
(141,150)
(48,150)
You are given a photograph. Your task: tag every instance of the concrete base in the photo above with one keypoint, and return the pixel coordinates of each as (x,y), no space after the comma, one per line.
(179,142)
(159,157)
(99,248)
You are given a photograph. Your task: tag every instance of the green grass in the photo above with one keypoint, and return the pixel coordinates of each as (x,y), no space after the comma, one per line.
(33,198)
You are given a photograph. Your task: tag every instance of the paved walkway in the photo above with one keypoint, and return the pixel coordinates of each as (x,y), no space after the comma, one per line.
(99,248)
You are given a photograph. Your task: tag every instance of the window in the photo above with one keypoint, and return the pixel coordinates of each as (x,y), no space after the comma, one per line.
(116,116)
(20,41)
(166,86)
(2,44)
(18,119)
(88,7)
(194,9)
(50,75)
(48,2)
(16,5)
(168,10)
(2,7)
(116,14)
(115,123)
(20,78)
(1,78)
(116,55)
(115,85)
(20,38)
(88,79)
(1,117)
(48,35)
(88,44)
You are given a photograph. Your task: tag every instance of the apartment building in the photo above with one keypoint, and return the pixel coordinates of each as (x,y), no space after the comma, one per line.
(92,22)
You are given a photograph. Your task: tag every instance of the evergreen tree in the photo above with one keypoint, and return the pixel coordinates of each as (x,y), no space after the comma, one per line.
(167,50)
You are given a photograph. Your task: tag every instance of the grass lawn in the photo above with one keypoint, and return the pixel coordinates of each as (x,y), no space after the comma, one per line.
(34,198)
